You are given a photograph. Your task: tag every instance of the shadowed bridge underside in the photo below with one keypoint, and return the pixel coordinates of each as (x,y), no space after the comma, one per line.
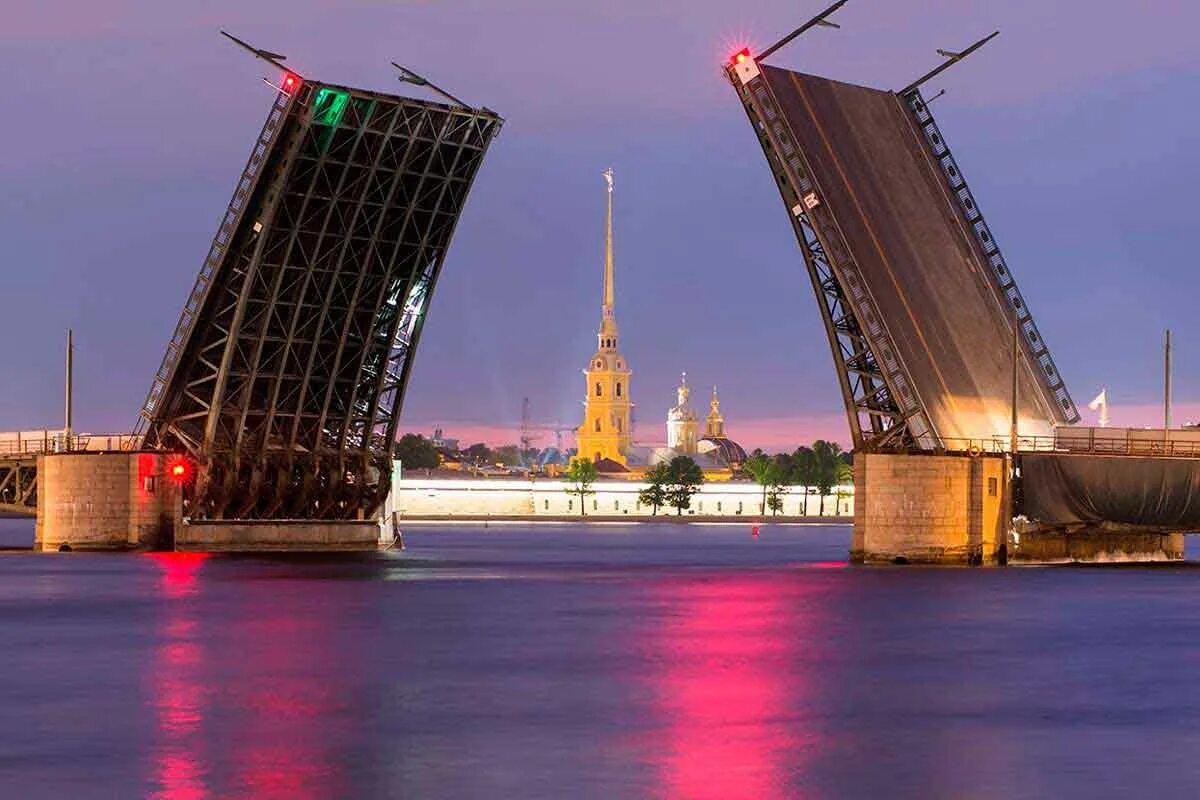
(285,376)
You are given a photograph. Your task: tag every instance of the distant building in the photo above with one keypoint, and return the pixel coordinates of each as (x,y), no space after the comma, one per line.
(604,434)
(717,454)
(682,423)
(441,442)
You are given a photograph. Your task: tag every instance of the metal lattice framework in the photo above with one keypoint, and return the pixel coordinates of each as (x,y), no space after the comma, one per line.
(18,484)
(285,375)
(884,405)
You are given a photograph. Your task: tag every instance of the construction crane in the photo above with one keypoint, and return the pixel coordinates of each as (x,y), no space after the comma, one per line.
(528,428)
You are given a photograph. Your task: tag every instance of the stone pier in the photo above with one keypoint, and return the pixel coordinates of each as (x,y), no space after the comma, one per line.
(951,509)
(106,501)
(1099,544)
(927,509)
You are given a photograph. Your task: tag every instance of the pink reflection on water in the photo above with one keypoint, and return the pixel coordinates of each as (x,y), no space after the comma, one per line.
(178,572)
(728,688)
(177,692)
(287,697)
(267,669)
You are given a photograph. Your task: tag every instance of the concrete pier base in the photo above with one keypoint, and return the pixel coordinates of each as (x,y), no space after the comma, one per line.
(927,509)
(255,536)
(105,501)
(1107,544)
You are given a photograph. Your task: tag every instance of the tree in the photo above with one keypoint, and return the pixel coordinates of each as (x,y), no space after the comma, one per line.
(509,455)
(760,467)
(477,454)
(804,471)
(684,479)
(581,475)
(655,493)
(775,500)
(828,467)
(414,451)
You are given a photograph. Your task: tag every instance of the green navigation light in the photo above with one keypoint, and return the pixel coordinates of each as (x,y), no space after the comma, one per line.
(329,106)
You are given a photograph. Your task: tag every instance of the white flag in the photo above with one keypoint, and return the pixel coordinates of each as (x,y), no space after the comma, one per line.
(1101,404)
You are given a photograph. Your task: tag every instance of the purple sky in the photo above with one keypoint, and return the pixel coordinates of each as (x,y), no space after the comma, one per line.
(126,124)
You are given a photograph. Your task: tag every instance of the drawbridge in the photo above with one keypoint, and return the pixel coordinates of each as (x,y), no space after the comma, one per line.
(285,375)
(918,302)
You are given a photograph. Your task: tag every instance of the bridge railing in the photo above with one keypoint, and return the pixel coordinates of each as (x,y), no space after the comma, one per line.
(1109,442)
(27,445)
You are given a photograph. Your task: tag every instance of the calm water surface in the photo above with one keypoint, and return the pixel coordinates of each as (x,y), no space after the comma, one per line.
(593,661)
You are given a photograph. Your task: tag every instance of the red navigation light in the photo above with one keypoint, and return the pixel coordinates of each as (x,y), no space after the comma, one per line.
(290,82)
(740,56)
(179,469)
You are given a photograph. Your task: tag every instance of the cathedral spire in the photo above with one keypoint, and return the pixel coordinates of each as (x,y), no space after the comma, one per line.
(608,319)
(716,422)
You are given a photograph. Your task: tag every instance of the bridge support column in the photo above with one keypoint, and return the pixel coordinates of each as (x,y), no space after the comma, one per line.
(927,509)
(106,501)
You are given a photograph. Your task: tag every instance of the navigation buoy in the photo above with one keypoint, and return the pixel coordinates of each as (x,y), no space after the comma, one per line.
(754,531)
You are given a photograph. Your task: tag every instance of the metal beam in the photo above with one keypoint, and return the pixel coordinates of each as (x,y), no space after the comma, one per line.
(821,20)
(952,58)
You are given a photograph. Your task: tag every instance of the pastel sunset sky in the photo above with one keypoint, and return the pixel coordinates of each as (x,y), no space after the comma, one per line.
(127,123)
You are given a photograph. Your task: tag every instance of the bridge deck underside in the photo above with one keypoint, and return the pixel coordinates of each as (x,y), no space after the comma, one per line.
(951,329)
(287,372)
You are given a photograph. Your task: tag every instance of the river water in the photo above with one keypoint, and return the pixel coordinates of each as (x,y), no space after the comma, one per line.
(649,660)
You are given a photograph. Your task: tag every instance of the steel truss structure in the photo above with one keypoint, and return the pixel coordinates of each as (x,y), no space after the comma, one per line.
(285,376)
(884,407)
(18,484)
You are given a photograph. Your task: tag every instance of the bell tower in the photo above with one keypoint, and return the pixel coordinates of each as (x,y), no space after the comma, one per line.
(606,416)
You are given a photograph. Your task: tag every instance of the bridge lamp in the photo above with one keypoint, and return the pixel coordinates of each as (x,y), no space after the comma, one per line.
(179,470)
(742,65)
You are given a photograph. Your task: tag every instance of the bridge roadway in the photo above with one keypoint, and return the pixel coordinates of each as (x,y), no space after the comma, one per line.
(914,251)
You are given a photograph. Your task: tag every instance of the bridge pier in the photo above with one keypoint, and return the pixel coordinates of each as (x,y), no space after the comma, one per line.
(106,501)
(927,509)
(951,509)
(1106,543)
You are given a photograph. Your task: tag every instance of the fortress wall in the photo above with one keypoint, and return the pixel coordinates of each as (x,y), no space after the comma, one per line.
(417,497)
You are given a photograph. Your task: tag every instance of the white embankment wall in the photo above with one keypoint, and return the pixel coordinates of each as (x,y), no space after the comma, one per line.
(439,497)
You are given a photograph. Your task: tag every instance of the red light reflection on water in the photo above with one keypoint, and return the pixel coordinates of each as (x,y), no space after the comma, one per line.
(268,676)
(178,695)
(178,572)
(725,688)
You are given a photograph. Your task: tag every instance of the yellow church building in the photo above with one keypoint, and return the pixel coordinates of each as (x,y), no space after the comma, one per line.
(605,437)
(607,415)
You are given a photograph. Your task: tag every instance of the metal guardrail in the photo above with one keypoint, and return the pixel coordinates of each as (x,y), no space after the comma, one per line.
(56,442)
(1137,446)
(212,261)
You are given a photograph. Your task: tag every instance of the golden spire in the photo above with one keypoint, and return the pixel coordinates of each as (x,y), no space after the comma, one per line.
(608,320)
(716,423)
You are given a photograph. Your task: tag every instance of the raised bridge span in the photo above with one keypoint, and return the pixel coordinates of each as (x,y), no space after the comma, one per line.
(285,375)
(935,348)
(917,300)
